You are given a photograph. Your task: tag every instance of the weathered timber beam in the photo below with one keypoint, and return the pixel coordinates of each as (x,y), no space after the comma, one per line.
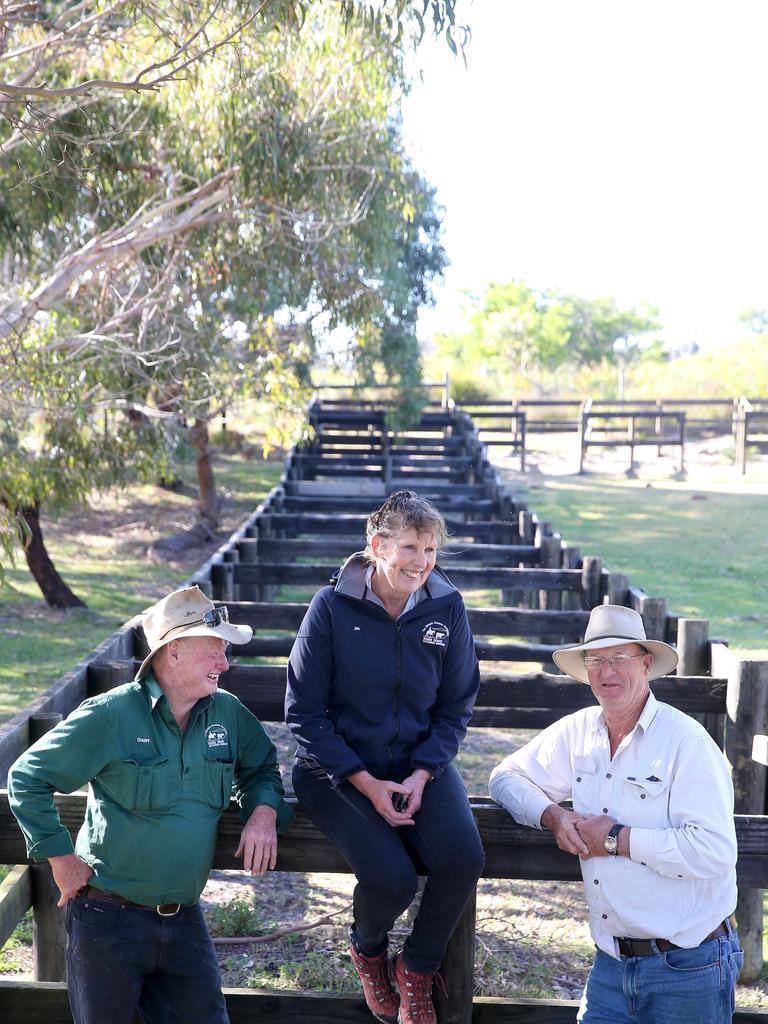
(446,503)
(348,524)
(512,850)
(465,577)
(28,1002)
(15,899)
(517,622)
(283,549)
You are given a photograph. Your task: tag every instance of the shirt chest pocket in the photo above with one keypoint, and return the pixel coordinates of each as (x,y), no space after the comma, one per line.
(218,777)
(584,783)
(142,785)
(645,800)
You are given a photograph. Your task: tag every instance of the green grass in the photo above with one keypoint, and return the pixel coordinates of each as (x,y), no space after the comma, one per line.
(702,547)
(102,554)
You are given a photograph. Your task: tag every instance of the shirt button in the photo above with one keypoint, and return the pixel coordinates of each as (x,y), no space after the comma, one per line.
(578,778)
(597,880)
(187,771)
(605,810)
(604,917)
(608,775)
(643,863)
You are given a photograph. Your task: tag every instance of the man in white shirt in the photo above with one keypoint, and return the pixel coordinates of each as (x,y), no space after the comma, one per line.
(652,822)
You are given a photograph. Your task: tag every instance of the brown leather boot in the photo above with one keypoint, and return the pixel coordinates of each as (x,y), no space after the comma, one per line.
(415,987)
(377,976)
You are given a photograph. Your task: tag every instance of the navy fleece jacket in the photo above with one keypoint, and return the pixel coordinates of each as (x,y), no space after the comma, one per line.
(368,692)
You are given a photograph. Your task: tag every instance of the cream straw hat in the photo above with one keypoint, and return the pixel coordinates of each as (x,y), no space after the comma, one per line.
(187,612)
(609,625)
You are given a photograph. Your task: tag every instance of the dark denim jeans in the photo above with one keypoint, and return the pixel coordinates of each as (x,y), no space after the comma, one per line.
(445,838)
(120,960)
(677,987)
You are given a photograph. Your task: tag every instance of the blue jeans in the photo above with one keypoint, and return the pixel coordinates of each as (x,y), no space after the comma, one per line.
(444,837)
(120,960)
(676,987)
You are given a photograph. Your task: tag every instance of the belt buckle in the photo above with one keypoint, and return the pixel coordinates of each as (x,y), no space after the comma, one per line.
(172,914)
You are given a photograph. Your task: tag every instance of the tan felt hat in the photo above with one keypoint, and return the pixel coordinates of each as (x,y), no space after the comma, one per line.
(609,625)
(187,612)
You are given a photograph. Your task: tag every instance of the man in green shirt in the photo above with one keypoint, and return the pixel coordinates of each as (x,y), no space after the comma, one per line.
(162,756)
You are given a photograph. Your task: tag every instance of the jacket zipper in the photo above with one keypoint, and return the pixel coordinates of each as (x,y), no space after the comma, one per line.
(396,693)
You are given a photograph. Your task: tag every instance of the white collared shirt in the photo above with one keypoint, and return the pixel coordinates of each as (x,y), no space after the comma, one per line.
(669,782)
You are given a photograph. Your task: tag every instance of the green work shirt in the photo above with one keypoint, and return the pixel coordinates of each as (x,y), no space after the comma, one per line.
(155,796)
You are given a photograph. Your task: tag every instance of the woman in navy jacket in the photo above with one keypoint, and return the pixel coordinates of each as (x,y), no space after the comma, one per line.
(382,679)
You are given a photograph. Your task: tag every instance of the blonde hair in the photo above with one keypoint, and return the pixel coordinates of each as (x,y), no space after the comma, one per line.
(405,510)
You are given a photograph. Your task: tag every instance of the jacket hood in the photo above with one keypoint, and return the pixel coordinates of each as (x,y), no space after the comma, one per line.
(350,579)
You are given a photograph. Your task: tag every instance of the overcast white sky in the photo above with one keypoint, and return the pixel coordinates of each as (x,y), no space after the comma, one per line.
(605,147)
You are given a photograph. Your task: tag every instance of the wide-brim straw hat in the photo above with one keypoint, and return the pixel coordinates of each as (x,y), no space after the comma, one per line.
(187,612)
(609,625)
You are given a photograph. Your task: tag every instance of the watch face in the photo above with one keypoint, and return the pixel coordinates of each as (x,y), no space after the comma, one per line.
(611,843)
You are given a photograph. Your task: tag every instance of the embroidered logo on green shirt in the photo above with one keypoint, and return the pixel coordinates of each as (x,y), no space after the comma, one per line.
(216,736)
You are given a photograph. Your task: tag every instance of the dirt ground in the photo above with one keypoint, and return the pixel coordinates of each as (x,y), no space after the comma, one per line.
(709,459)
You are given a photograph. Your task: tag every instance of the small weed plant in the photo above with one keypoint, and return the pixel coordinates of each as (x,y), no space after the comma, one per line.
(240,916)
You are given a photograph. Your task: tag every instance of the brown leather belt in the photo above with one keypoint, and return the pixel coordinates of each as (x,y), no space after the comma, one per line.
(645,947)
(163,909)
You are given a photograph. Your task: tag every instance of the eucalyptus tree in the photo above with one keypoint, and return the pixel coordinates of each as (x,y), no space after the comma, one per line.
(163,246)
(514,327)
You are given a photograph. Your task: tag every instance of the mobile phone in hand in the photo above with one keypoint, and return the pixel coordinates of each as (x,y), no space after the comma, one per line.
(400,802)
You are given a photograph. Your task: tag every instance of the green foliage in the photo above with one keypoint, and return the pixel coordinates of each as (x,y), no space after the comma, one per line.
(521,334)
(240,916)
(330,228)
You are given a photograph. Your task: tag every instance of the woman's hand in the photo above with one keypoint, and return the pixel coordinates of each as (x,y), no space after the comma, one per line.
(380,792)
(415,784)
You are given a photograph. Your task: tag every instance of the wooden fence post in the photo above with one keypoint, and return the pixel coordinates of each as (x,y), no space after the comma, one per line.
(232,557)
(49,937)
(248,551)
(551,558)
(654,614)
(458,970)
(222,579)
(105,675)
(617,588)
(747,719)
(591,581)
(694,660)
(571,560)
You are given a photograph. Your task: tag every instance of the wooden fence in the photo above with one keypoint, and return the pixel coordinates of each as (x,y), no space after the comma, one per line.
(295,539)
(751,429)
(657,422)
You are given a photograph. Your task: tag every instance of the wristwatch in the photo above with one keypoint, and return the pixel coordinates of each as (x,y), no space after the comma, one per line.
(611,841)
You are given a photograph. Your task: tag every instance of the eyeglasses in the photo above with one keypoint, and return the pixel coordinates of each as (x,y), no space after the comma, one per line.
(215,616)
(615,661)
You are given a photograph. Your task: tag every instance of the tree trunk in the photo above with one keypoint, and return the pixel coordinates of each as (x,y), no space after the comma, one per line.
(208,501)
(55,591)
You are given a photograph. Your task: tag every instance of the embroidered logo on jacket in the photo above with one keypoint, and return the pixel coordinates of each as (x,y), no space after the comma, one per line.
(216,736)
(435,633)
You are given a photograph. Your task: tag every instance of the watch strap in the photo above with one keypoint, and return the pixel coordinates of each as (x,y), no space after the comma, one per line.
(611,840)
